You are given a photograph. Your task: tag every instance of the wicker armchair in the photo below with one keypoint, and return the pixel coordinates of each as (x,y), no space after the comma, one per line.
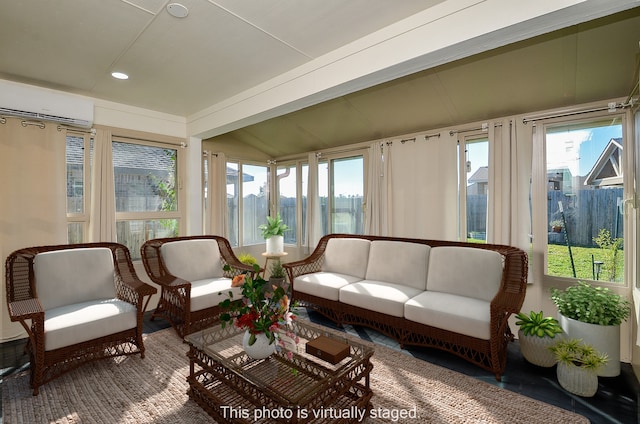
(78,303)
(191,275)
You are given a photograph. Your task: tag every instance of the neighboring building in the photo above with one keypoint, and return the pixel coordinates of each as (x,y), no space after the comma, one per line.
(607,171)
(479,181)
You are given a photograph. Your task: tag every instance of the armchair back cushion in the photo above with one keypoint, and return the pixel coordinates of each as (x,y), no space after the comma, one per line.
(65,277)
(192,260)
(465,271)
(399,262)
(347,256)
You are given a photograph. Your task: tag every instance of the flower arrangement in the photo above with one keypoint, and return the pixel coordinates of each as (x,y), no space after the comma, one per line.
(262,309)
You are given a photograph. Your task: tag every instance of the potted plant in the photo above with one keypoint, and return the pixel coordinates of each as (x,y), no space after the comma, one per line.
(578,364)
(536,334)
(264,313)
(247,259)
(273,233)
(593,314)
(556,226)
(277,275)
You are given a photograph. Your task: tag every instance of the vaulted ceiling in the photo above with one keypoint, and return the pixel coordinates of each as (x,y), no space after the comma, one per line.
(224,47)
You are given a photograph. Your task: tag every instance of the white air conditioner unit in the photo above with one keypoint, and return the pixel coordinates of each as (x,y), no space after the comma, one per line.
(29,102)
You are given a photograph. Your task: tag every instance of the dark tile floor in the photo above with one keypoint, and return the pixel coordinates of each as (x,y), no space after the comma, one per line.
(616,401)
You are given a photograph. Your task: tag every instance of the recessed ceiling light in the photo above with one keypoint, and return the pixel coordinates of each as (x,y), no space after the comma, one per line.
(177,10)
(120,75)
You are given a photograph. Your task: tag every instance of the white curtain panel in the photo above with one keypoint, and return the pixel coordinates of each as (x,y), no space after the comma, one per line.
(32,210)
(102,221)
(423,187)
(377,209)
(314,224)
(216,208)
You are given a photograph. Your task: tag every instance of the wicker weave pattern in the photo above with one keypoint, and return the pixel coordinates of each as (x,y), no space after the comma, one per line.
(175,295)
(489,354)
(24,306)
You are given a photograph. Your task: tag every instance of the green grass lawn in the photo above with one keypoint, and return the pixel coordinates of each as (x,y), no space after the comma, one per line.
(559,262)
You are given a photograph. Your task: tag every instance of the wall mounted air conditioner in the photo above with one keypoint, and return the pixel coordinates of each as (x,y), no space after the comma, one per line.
(34,103)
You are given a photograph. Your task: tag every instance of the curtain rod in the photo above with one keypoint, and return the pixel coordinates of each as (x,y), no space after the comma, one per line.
(611,107)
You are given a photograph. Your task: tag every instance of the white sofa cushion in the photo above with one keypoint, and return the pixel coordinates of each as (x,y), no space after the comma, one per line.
(465,271)
(65,277)
(192,260)
(80,322)
(208,292)
(459,314)
(399,262)
(346,256)
(379,296)
(326,285)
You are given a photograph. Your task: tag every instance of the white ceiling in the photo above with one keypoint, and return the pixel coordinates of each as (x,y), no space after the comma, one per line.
(225,47)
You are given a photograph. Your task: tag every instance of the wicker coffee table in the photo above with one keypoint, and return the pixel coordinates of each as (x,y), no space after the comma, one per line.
(234,388)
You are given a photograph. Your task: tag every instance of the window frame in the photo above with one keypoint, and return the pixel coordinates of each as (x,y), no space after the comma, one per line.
(469,138)
(179,213)
(83,217)
(539,201)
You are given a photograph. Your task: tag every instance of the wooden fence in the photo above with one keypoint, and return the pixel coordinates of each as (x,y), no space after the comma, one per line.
(586,213)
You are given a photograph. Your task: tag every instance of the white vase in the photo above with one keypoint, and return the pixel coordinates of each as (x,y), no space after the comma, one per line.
(262,348)
(604,338)
(275,245)
(577,380)
(536,349)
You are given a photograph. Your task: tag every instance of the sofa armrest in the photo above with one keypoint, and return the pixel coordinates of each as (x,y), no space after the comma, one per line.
(22,310)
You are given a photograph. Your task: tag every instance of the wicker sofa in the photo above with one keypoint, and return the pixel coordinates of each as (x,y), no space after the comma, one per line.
(78,303)
(452,296)
(191,275)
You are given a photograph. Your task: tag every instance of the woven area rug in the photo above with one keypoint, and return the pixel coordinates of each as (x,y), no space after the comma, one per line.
(153,390)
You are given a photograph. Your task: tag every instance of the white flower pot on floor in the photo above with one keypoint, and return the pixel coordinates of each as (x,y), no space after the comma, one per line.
(536,349)
(577,380)
(604,338)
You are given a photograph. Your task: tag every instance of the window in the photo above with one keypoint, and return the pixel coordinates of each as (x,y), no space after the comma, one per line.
(248,202)
(78,157)
(146,193)
(347,190)
(584,186)
(474,185)
(286,183)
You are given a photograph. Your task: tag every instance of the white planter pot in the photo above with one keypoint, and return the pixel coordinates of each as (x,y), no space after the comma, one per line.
(577,380)
(604,338)
(261,349)
(275,245)
(536,349)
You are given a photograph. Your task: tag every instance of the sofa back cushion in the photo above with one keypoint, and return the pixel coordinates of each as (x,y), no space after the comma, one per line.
(66,277)
(465,271)
(192,260)
(399,262)
(346,256)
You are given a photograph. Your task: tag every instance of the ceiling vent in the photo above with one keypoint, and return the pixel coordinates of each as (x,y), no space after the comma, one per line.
(34,103)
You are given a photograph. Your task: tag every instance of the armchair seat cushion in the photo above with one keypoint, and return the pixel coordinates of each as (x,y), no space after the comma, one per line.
(326,285)
(444,310)
(378,296)
(80,322)
(210,292)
